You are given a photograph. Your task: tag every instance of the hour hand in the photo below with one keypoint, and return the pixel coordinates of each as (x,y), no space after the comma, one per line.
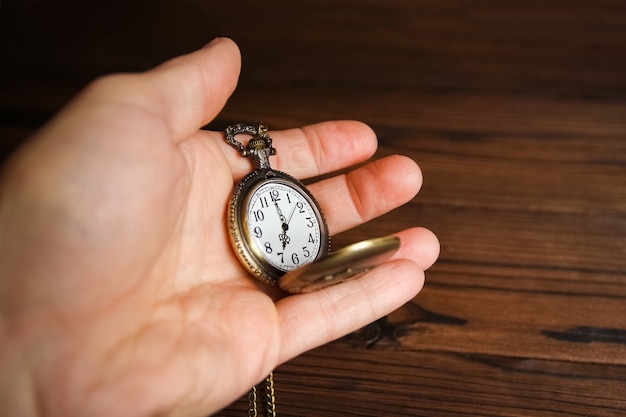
(280,213)
(284,239)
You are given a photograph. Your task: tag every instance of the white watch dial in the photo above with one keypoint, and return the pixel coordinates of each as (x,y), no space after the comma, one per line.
(283,226)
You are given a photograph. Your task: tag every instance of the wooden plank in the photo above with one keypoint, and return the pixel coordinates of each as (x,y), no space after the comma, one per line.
(339,381)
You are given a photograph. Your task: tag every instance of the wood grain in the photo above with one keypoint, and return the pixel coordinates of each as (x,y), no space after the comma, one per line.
(516,113)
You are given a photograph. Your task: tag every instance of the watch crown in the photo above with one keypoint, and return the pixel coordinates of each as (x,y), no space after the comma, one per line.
(257,143)
(259,149)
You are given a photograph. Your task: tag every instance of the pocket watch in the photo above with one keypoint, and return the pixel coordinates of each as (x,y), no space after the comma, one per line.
(277,228)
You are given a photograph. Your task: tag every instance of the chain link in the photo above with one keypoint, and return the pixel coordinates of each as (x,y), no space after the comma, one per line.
(270,399)
(252,411)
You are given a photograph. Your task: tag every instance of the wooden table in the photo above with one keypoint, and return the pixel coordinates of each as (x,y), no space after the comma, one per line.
(516,113)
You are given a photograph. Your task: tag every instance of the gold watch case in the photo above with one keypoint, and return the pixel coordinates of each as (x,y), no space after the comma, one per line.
(340,266)
(249,253)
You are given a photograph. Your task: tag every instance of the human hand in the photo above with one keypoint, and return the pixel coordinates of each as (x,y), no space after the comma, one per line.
(119,291)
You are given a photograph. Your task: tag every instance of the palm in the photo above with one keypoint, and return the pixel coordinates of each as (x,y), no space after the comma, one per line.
(130,299)
(200,300)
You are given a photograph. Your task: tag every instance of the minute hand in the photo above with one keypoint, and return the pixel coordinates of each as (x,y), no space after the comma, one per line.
(293,209)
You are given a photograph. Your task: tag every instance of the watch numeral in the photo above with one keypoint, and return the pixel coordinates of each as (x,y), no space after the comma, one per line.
(311,240)
(295,259)
(263,201)
(300,207)
(258,232)
(259,216)
(268,247)
(274,194)
(309,222)
(288,199)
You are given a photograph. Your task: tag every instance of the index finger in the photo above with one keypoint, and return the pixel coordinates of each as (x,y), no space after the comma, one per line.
(312,150)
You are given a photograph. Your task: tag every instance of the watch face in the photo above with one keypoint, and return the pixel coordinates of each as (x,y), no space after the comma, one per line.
(276,225)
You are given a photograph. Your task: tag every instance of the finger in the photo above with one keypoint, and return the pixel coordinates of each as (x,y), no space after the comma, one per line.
(163,105)
(367,192)
(418,245)
(189,91)
(385,288)
(312,150)
(310,320)
(131,113)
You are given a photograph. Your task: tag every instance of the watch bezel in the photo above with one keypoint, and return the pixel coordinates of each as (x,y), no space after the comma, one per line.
(241,237)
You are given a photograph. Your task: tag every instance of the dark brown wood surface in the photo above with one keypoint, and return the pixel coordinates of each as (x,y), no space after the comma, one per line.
(516,112)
